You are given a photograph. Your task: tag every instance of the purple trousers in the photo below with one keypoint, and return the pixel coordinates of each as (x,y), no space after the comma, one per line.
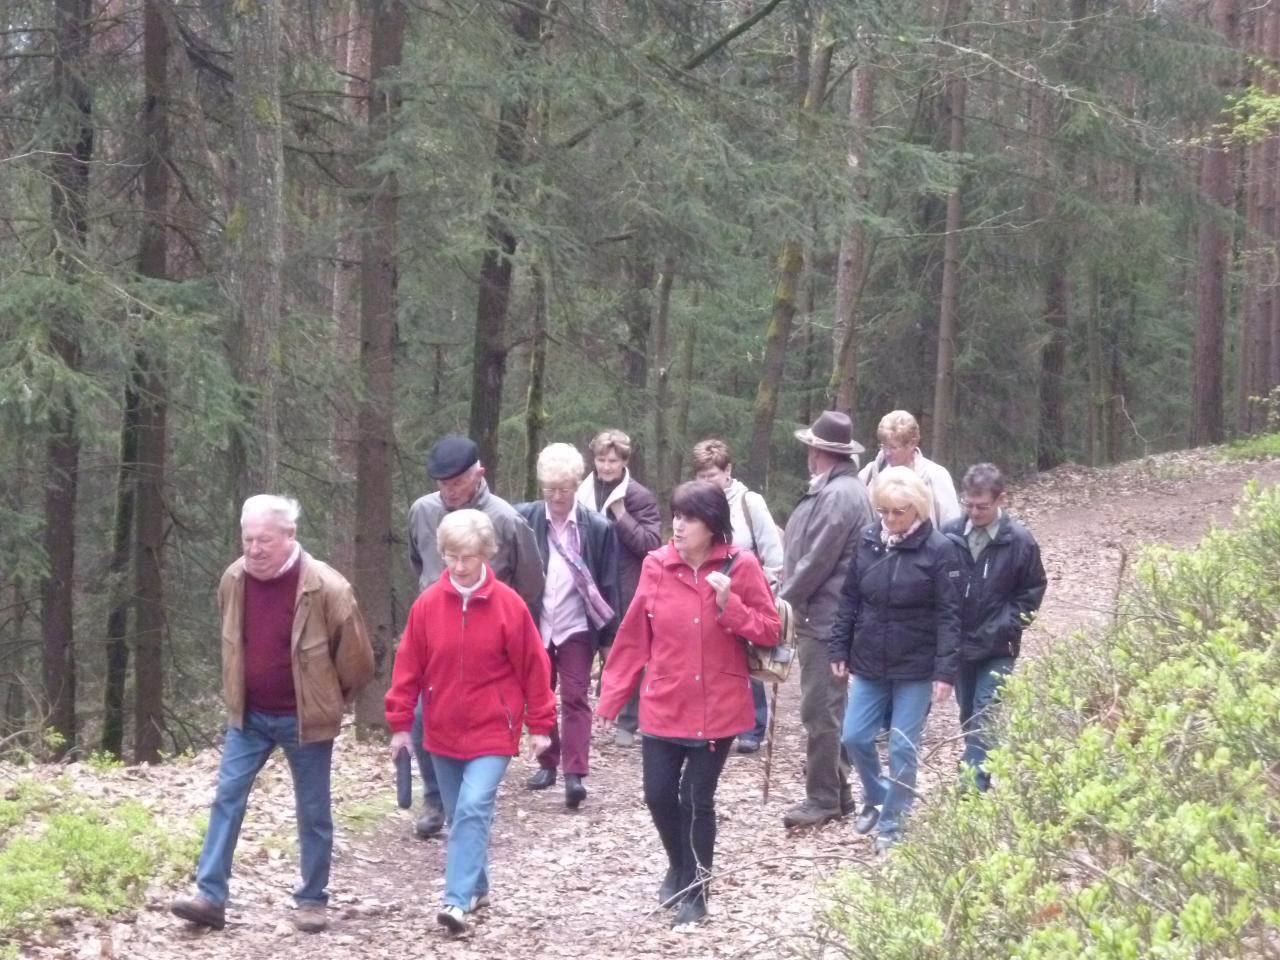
(571,738)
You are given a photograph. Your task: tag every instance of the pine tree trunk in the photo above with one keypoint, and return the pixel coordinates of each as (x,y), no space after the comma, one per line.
(688,351)
(942,444)
(851,269)
(122,535)
(153,408)
(783,309)
(535,408)
(489,354)
(72,149)
(661,368)
(257,228)
(352,59)
(1213,259)
(375,427)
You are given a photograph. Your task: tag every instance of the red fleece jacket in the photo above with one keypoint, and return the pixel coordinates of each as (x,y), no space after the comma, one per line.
(481,673)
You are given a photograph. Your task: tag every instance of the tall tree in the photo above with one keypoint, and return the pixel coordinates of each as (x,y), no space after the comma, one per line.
(379,268)
(256,226)
(782,311)
(150,376)
(944,388)
(854,257)
(489,352)
(1217,198)
(71,153)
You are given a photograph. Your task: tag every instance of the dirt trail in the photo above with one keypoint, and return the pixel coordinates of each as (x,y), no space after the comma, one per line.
(581,885)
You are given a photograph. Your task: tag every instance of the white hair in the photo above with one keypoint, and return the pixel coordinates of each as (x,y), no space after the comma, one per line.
(284,510)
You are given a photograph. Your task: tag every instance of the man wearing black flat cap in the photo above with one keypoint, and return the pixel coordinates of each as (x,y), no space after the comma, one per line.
(454,464)
(820,538)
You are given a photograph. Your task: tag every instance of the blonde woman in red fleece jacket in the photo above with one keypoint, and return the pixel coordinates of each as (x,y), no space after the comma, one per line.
(686,626)
(471,651)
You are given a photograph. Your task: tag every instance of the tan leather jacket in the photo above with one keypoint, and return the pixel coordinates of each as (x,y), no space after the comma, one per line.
(332,657)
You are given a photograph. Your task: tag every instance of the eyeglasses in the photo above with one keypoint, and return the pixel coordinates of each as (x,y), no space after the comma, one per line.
(552,492)
(974,505)
(894,512)
(452,558)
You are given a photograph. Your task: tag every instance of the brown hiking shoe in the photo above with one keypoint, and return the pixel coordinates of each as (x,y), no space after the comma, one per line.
(310,916)
(808,814)
(199,910)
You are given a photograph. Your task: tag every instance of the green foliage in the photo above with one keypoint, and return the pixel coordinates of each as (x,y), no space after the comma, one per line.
(1136,795)
(60,848)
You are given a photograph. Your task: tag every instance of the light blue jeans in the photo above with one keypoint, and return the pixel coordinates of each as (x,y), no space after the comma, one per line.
(469,789)
(244,752)
(862,721)
(977,694)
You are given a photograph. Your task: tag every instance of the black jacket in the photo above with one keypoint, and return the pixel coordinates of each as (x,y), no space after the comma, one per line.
(899,616)
(1000,591)
(599,553)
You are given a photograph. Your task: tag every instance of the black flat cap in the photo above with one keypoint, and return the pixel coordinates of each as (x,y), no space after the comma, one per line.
(450,456)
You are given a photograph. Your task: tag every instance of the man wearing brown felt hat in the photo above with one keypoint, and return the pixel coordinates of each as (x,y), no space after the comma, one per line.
(819,543)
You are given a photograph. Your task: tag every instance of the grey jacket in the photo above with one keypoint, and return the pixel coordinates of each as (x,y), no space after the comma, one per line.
(517,563)
(820,539)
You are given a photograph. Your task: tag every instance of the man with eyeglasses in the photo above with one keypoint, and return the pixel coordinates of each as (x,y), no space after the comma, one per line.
(1002,586)
(454,464)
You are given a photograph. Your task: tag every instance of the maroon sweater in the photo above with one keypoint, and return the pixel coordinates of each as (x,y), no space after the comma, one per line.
(268,640)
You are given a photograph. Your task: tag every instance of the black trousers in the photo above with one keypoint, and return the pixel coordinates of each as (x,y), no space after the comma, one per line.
(680,792)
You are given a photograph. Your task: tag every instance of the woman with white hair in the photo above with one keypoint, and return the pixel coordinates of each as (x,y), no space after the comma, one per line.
(897,632)
(471,651)
(579,609)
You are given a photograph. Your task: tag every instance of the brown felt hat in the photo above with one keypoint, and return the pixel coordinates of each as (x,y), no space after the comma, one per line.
(832,432)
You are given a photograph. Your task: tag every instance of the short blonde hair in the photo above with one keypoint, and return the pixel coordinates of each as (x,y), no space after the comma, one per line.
(711,452)
(899,428)
(560,463)
(464,531)
(902,483)
(614,440)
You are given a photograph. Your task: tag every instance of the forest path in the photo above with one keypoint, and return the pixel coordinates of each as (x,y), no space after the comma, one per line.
(581,885)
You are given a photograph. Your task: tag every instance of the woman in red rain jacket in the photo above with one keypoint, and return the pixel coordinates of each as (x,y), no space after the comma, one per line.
(686,627)
(471,651)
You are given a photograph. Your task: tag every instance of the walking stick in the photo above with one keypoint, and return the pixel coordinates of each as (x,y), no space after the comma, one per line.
(768,742)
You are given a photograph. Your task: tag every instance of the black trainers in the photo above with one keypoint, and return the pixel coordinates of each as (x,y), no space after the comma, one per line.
(808,814)
(575,791)
(545,777)
(692,910)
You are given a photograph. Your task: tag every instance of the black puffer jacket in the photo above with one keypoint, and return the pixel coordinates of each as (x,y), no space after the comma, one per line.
(899,616)
(1000,592)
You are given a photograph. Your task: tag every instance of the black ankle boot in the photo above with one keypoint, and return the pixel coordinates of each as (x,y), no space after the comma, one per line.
(692,909)
(669,892)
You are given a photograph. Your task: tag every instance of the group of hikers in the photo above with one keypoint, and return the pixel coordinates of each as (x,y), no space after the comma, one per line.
(901,593)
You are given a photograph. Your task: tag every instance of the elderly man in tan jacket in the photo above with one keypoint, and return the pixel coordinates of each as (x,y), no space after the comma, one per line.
(294,653)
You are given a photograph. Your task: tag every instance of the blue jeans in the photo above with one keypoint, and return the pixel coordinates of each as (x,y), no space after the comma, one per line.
(469,789)
(430,789)
(244,752)
(978,692)
(862,721)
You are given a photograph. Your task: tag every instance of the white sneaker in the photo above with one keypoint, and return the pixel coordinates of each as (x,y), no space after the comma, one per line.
(624,738)
(479,902)
(452,918)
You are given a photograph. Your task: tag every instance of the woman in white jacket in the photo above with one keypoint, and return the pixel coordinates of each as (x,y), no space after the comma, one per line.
(899,436)
(753,530)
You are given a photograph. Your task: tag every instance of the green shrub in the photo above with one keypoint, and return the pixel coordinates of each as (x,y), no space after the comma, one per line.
(86,855)
(1136,812)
